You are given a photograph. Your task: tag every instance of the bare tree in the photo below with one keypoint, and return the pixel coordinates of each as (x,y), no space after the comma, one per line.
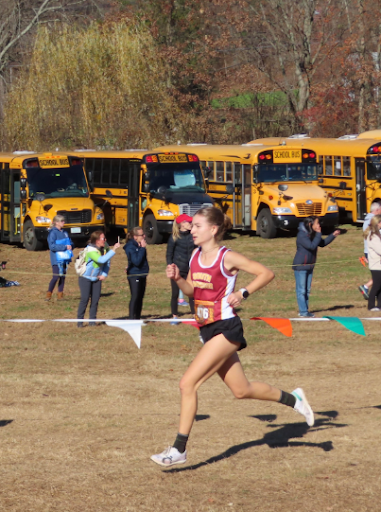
(19,17)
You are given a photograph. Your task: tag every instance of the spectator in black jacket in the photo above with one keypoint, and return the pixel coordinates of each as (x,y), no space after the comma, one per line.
(137,270)
(179,251)
(308,240)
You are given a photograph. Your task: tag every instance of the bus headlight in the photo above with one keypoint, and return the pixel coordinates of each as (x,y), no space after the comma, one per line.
(164,213)
(100,216)
(43,220)
(333,208)
(278,211)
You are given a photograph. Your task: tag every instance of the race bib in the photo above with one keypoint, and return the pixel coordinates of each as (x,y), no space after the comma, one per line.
(204,312)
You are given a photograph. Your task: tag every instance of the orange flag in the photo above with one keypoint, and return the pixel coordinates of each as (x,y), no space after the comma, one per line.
(282,324)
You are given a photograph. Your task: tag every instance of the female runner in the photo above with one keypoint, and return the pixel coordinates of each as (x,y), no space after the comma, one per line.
(211,279)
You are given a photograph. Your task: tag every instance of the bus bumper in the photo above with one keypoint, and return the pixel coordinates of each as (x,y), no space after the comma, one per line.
(290,222)
(164,226)
(79,232)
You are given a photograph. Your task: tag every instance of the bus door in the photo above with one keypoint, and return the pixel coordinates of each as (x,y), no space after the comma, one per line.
(246,196)
(360,189)
(10,205)
(133,195)
(237,195)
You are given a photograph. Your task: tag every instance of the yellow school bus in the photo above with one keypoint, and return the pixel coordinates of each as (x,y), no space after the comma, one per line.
(350,169)
(150,189)
(34,187)
(264,188)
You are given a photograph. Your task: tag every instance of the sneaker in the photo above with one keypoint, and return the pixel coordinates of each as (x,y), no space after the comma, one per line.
(306,315)
(303,407)
(375,309)
(183,303)
(365,291)
(174,322)
(170,457)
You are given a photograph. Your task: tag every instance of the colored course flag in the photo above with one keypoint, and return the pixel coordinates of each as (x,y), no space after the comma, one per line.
(352,323)
(283,325)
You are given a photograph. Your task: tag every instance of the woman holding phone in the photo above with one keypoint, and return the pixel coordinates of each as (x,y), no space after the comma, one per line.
(137,270)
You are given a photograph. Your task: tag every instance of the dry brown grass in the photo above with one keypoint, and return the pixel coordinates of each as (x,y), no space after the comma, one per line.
(83,410)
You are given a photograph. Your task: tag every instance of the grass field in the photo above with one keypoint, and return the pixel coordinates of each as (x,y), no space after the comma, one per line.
(82,410)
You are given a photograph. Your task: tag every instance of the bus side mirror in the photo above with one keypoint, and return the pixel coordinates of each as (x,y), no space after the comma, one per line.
(146,188)
(22,182)
(146,176)
(23,195)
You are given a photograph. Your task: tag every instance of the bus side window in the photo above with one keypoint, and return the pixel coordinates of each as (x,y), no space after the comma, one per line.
(229,171)
(338,166)
(220,171)
(237,173)
(347,165)
(106,171)
(124,168)
(97,171)
(328,165)
(211,176)
(114,174)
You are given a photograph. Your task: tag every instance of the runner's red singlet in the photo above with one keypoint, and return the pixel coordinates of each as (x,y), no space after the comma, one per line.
(212,287)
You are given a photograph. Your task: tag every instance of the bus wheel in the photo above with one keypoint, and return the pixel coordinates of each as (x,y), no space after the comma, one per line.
(265,224)
(151,231)
(30,241)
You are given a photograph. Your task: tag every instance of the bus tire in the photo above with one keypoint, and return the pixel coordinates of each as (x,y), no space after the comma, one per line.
(265,224)
(30,240)
(151,230)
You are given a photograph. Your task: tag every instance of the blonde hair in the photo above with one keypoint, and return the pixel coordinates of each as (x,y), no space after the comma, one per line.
(175,231)
(56,218)
(373,228)
(216,217)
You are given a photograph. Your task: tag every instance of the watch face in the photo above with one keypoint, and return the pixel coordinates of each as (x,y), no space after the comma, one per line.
(245,294)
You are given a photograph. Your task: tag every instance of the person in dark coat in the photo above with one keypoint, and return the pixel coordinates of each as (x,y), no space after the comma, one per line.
(137,270)
(179,251)
(307,242)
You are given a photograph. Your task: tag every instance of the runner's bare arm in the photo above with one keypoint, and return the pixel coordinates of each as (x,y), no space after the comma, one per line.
(234,262)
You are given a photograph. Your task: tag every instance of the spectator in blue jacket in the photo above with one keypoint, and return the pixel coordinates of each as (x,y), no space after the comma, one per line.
(58,240)
(308,240)
(137,270)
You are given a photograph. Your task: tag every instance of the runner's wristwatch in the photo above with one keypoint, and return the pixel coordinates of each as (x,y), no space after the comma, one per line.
(245,293)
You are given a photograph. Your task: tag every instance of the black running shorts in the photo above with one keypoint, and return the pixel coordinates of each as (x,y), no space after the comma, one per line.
(232,329)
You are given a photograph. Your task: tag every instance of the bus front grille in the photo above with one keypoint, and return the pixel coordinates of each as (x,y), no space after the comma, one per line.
(192,209)
(76,217)
(309,209)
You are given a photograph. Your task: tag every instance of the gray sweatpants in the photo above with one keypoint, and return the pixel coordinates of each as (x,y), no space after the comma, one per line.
(89,289)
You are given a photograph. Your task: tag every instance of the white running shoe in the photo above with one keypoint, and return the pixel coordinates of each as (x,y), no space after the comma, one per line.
(303,407)
(170,457)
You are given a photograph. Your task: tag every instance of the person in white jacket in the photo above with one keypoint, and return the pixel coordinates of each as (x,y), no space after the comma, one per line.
(373,237)
(375,209)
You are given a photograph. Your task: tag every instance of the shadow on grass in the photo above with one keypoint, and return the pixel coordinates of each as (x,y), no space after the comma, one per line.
(278,438)
(4,423)
(333,308)
(107,294)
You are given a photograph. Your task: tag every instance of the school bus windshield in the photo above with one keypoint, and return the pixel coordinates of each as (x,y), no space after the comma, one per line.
(269,173)
(58,182)
(374,168)
(175,177)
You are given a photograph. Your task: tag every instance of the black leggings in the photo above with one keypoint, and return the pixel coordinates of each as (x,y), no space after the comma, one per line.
(56,277)
(375,291)
(175,299)
(137,288)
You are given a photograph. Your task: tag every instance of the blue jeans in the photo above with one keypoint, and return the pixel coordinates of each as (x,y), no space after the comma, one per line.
(303,280)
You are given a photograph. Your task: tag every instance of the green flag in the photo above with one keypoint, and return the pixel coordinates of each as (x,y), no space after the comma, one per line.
(352,323)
